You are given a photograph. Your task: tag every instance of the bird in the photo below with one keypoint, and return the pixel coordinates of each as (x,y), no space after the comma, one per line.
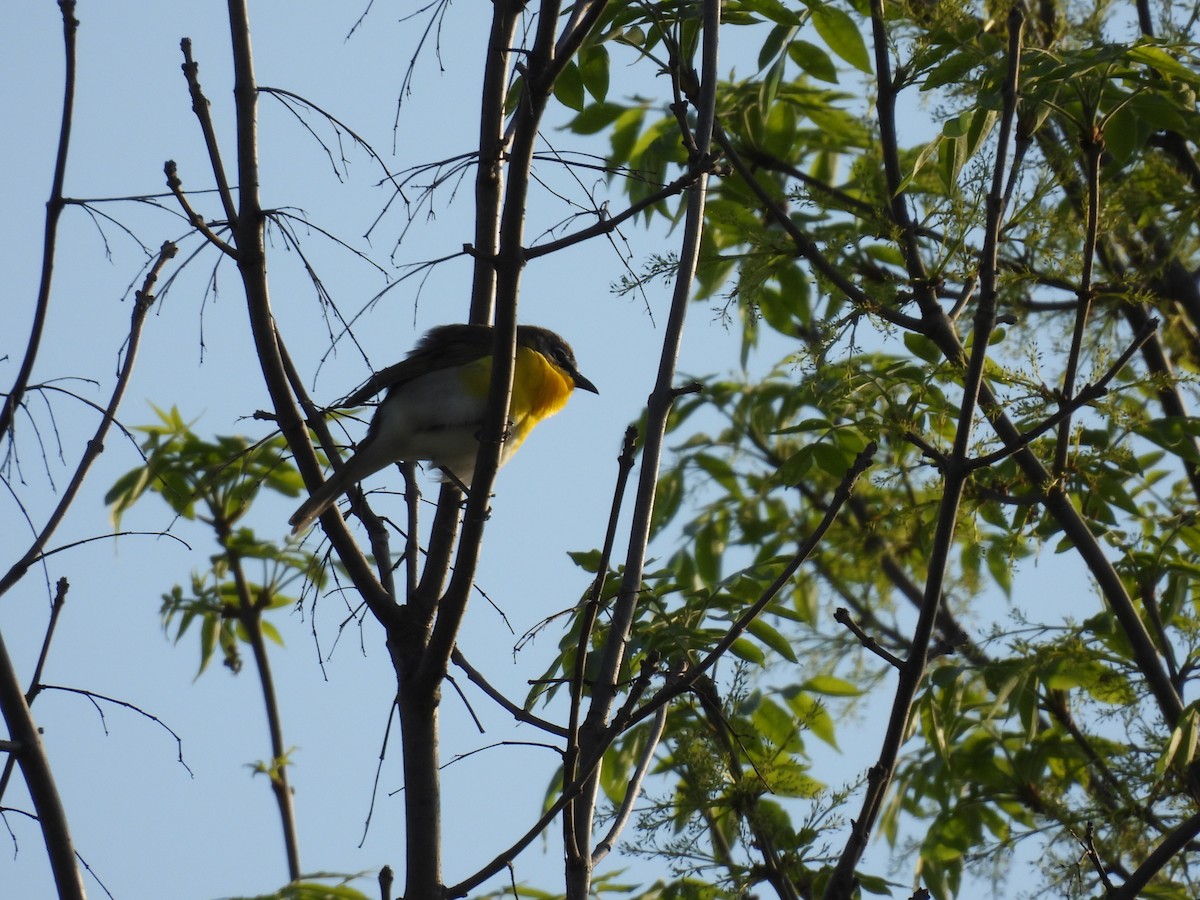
(435,402)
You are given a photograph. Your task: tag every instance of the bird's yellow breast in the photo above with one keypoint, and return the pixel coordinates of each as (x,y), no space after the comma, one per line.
(540,389)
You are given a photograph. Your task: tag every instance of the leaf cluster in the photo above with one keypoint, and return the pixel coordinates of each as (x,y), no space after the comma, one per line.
(857,247)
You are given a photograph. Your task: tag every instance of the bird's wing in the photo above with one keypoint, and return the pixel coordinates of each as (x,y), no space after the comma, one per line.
(441,348)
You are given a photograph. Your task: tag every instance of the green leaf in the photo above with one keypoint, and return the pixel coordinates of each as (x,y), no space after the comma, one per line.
(832,686)
(922,347)
(1168,754)
(708,547)
(927,153)
(791,779)
(840,32)
(1000,567)
(873,884)
(1162,62)
(720,470)
(1177,434)
(588,560)
(769,87)
(568,88)
(796,466)
(812,715)
(209,639)
(593,70)
(595,118)
(313,890)
(952,70)
(270,632)
(952,154)
(772,639)
(747,650)
(772,11)
(774,44)
(832,460)
(1125,133)
(982,121)
(813,60)
(773,723)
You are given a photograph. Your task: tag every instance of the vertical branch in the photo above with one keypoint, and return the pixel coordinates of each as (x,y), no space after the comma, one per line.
(422,653)
(1093,147)
(885,110)
(39,779)
(1145,20)
(634,788)
(14,706)
(35,681)
(249,612)
(746,802)
(191,71)
(587,623)
(841,884)
(144,299)
(489,177)
(509,264)
(412,539)
(417,701)
(248,237)
(593,733)
(54,208)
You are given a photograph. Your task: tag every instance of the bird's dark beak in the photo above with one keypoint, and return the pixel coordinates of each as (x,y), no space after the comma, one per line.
(582,384)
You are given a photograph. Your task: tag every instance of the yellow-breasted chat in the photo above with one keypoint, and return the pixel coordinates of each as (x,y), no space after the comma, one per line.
(434,406)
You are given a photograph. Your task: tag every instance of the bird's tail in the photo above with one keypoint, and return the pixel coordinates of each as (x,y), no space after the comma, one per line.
(323,498)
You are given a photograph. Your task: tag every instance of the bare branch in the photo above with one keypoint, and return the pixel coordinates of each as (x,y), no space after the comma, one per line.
(843,616)
(517,712)
(193,217)
(912,673)
(141,307)
(200,106)
(634,788)
(54,208)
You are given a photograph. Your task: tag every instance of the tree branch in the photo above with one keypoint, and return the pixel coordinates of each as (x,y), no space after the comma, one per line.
(841,884)
(54,208)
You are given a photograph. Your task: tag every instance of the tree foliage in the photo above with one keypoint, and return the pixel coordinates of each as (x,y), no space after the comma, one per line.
(1031,255)
(964,241)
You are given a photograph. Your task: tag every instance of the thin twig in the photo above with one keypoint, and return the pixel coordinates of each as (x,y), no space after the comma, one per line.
(595,732)
(143,301)
(249,613)
(94,697)
(197,221)
(685,682)
(200,106)
(1167,850)
(517,712)
(1088,394)
(54,208)
(633,789)
(56,608)
(387,733)
(1093,147)
(843,616)
(587,622)
(610,223)
(1088,843)
(807,246)
(841,884)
